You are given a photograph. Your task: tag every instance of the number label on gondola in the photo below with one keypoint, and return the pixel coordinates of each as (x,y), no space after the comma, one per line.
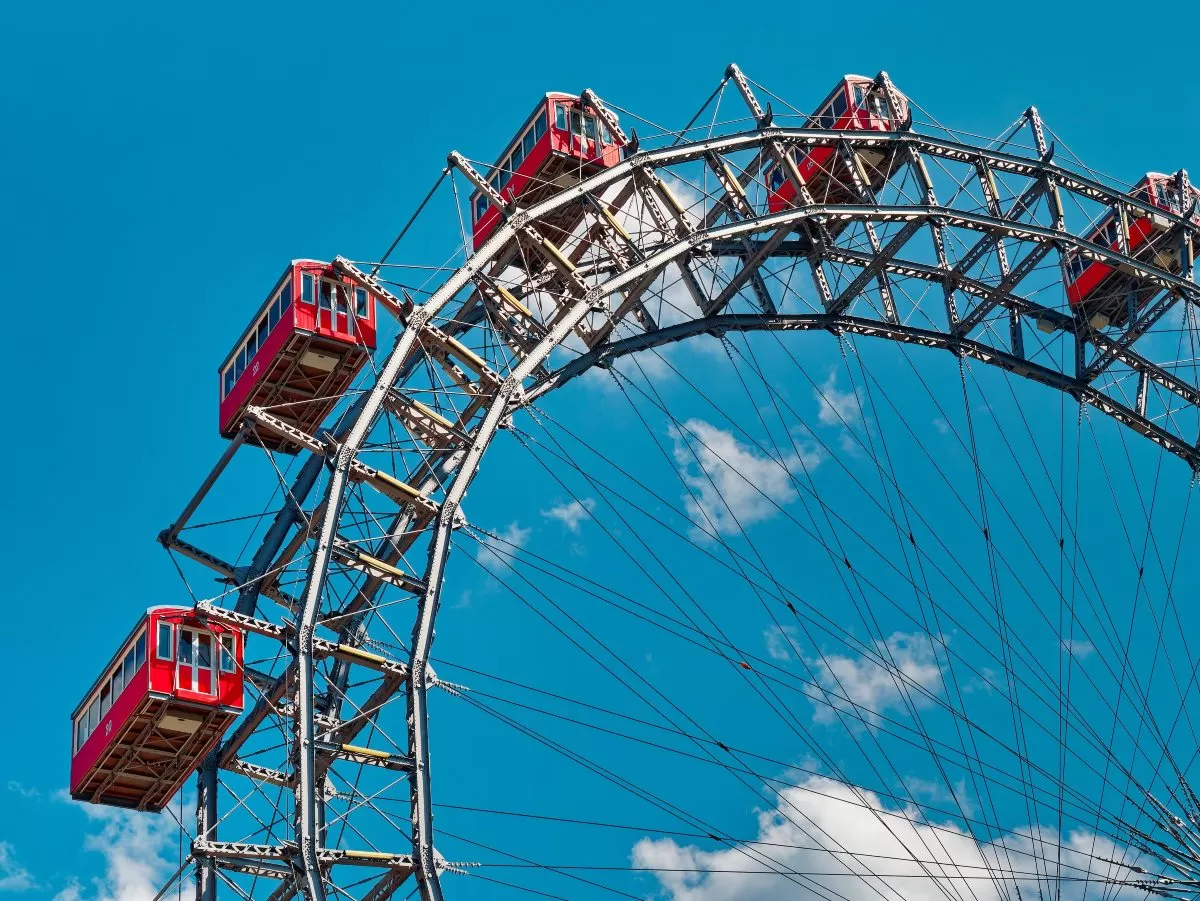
(176,684)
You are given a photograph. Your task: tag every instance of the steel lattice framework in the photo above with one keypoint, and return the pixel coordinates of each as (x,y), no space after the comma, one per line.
(959,248)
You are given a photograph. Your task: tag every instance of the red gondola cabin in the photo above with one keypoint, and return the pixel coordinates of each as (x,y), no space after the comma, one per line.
(161,704)
(302,350)
(1109,294)
(560,144)
(854,105)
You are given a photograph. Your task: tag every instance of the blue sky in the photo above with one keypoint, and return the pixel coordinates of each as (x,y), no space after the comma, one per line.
(161,163)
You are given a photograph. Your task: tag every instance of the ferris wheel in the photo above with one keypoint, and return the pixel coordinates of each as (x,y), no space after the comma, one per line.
(301,689)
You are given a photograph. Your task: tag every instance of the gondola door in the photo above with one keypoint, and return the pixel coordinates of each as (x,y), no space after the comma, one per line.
(341,309)
(194,663)
(325,292)
(333,306)
(881,117)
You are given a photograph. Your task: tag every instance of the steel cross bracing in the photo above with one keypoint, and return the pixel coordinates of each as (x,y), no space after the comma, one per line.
(672,242)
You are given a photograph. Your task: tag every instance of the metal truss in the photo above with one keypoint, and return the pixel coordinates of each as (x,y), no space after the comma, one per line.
(946,245)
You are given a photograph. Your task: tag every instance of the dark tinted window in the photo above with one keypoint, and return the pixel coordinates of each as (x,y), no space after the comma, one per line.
(360,302)
(163,642)
(228,660)
(203,650)
(539,127)
(185,646)
(139,651)
(838,107)
(306,288)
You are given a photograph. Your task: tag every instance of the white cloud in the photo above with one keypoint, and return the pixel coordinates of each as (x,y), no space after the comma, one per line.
(72,891)
(13,876)
(651,366)
(850,443)
(670,300)
(1077,647)
(870,685)
(731,482)
(139,853)
(572,513)
(25,791)
(708,347)
(826,829)
(781,640)
(956,798)
(837,407)
(497,556)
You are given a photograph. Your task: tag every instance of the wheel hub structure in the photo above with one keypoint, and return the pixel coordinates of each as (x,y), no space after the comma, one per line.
(958,247)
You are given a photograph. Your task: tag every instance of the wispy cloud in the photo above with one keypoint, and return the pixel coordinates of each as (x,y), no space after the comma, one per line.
(780,641)
(72,891)
(869,685)
(25,791)
(13,876)
(731,482)
(652,366)
(1078,648)
(496,555)
(572,513)
(956,798)
(835,406)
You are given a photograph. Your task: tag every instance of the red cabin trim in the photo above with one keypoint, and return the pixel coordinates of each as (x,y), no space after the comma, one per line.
(301,351)
(147,722)
(1084,276)
(851,106)
(559,127)
(1095,272)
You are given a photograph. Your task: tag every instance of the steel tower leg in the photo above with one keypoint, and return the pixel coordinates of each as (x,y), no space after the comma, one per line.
(308,819)
(206,826)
